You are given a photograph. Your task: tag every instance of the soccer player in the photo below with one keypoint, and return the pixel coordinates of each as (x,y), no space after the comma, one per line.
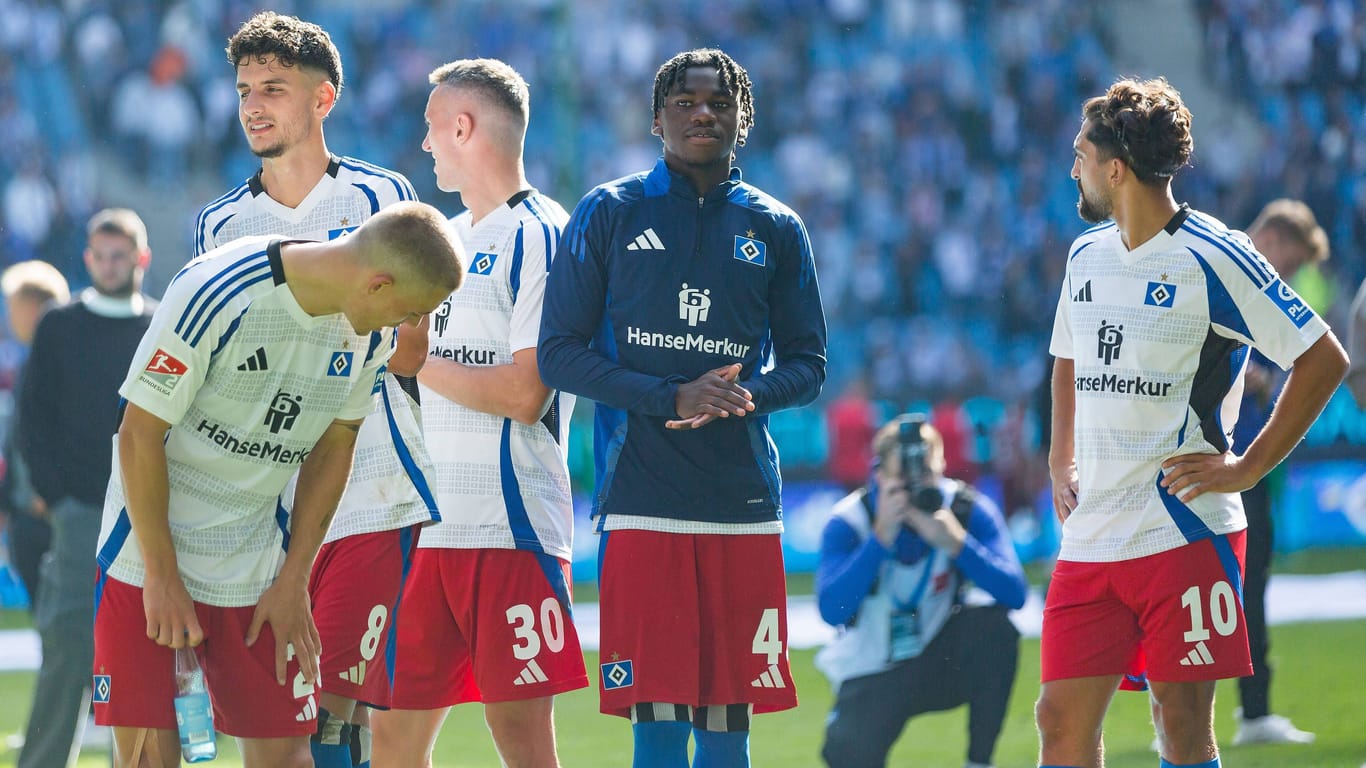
(684,301)
(499,439)
(1159,306)
(289,76)
(261,361)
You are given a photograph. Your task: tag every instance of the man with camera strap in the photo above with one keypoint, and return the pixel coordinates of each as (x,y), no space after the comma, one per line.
(918,572)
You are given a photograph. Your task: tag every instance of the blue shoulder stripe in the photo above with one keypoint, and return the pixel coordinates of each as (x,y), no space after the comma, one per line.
(580,231)
(550,231)
(369,193)
(402,188)
(1198,224)
(1258,278)
(231,197)
(217,291)
(1084,246)
(515,271)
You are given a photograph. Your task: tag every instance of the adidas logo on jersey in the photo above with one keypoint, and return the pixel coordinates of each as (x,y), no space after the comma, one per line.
(309,712)
(1199,656)
(257,362)
(531,674)
(646,241)
(771,678)
(355,675)
(1084,294)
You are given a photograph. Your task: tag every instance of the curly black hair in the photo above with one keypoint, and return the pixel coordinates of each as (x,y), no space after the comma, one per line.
(1145,124)
(292,41)
(734,78)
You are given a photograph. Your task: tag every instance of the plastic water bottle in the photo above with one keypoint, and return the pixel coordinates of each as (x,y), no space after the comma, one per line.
(193,711)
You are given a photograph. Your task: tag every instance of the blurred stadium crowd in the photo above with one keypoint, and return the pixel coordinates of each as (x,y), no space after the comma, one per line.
(925,142)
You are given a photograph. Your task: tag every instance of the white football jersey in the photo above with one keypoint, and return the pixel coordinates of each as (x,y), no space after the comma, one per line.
(249,382)
(1159,338)
(502,484)
(389,480)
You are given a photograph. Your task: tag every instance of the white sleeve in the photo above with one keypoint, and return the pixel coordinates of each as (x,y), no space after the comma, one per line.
(170,365)
(538,246)
(1249,302)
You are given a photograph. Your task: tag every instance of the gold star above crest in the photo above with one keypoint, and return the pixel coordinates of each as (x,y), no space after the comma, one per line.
(616,656)
(1163,278)
(345,222)
(749,233)
(346,343)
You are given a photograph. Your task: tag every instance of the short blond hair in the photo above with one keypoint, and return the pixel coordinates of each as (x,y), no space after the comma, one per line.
(36,280)
(1295,221)
(119,221)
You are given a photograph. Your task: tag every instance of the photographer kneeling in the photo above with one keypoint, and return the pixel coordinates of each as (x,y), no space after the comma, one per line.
(918,572)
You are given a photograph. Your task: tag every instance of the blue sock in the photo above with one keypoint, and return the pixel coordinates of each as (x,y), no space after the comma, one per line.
(331,743)
(661,744)
(721,749)
(331,755)
(1208,764)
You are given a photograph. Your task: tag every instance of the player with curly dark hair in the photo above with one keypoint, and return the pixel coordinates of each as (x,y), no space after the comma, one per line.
(1160,306)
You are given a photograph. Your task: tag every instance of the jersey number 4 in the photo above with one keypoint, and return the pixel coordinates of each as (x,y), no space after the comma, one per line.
(767,640)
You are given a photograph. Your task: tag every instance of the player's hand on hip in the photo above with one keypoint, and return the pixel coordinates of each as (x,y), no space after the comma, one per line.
(288,611)
(171,618)
(716,394)
(1192,475)
(1066,487)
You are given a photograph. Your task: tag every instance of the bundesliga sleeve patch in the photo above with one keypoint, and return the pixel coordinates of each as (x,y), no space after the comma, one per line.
(163,372)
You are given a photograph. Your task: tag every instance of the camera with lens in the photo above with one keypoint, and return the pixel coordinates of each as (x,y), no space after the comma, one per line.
(914,452)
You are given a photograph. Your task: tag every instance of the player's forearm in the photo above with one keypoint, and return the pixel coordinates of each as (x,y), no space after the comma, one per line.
(410,353)
(146,487)
(513,390)
(322,480)
(791,384)
(569,365)
(1312,381)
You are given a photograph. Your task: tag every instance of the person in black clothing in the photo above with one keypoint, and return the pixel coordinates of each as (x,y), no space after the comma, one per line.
(30,289)
(68,413)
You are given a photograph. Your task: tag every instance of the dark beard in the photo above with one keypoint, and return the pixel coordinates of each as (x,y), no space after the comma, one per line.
(270,152)
(122,290)
(1088,211)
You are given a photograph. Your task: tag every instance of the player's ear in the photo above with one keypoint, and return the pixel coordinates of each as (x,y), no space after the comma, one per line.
(654,127)
(144,258)
(464,127)
(378,282)
(325,97)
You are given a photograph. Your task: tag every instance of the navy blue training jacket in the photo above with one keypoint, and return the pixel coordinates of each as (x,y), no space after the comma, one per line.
(651,287)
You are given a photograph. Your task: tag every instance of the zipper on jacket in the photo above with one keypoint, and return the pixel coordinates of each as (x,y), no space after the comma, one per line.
(697,236)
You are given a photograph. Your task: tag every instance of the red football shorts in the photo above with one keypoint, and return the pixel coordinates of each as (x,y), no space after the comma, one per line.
(511,605)
(696,619)
(135,677)
(1180,612)
(355,588)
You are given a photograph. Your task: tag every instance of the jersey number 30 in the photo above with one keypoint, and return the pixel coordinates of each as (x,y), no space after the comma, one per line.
(523,623)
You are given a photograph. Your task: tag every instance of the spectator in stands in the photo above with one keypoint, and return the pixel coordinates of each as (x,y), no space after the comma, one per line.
(917,571)
(850,423)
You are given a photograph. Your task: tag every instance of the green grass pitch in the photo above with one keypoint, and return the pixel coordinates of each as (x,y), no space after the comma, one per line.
(1321,673)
